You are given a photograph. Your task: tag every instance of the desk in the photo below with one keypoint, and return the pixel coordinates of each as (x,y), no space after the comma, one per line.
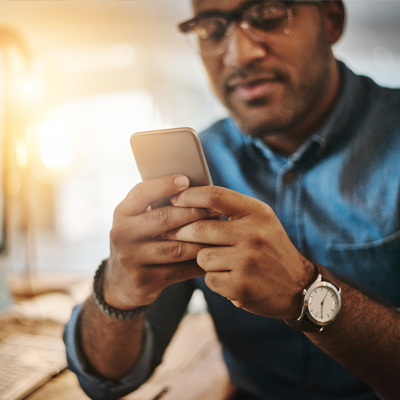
(193,368)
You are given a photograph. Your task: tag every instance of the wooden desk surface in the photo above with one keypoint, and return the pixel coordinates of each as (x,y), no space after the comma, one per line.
(193,368)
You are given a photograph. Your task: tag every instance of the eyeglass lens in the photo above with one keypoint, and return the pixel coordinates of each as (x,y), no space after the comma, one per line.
(260,20)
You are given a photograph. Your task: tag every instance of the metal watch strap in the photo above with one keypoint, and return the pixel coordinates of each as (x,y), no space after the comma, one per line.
(106,308)
(302,323)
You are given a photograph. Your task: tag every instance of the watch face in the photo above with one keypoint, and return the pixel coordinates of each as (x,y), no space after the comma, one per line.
(323,302)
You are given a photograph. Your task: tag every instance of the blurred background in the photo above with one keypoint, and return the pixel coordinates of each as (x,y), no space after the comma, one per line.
(77,78)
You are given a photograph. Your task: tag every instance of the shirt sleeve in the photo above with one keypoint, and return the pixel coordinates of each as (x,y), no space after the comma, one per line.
(162,319)
(96,387)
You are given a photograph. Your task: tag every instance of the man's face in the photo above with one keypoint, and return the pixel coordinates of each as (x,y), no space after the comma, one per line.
(277,85)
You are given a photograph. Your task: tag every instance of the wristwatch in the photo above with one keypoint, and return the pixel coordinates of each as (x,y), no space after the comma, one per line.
(321,305)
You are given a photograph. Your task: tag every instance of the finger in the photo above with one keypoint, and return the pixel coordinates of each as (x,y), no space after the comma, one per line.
(166,252)
(216,259)
(215,232)
(144,193)
(220,282)
(164,275)
(219,264)
(225,201)
(164,219)
(155,222)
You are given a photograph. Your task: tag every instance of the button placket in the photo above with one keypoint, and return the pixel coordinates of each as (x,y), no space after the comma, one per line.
(287,202)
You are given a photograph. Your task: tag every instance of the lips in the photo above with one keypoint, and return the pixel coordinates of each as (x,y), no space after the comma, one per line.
(248,89)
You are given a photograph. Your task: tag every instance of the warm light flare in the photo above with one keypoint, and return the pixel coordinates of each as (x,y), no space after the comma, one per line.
(121,55)
(55,145)
(21,153)
(28,87)
(18,62)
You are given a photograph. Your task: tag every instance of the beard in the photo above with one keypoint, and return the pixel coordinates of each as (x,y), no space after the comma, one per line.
(275,114)
(262,120)
(297,95)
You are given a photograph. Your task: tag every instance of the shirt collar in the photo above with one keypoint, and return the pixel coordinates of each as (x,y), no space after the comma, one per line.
(327,135)
(333,127)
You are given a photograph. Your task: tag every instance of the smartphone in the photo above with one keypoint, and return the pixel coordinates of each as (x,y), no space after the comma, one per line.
(169,152)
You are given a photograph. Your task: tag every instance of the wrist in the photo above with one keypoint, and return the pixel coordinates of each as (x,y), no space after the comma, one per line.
(116,288)
(122,313)
(309,276)
(321,303)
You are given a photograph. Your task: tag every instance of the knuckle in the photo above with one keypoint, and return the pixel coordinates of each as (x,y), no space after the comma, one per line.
(211,281)
(116,235)
(256,240)
(249,262)
(174,249)
(117,213)
(195,213)
(192,214)
(197,229)
(178,250)
(160,216)
(268,211)
(138,191)
(215,194)
(203,257)
(161,250)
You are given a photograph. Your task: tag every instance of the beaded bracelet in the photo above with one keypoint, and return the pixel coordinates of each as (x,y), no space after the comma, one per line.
(106,308)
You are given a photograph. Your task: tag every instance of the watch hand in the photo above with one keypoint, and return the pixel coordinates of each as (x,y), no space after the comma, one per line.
(322,304)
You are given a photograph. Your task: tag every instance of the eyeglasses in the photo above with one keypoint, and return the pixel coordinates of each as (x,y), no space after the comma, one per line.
(209,31)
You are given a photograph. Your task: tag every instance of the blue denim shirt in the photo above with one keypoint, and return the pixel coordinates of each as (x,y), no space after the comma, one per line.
(338,198)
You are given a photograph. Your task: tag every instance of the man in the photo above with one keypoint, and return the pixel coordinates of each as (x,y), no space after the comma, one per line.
(306,171)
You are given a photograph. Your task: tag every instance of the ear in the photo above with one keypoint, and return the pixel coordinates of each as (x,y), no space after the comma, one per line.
(334,17)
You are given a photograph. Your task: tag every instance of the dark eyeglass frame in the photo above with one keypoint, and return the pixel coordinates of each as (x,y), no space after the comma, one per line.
(235,15)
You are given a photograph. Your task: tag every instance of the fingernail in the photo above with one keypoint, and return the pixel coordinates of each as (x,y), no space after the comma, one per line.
(173,198)
(181,182)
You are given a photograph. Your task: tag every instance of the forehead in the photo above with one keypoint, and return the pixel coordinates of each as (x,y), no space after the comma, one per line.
(222,5)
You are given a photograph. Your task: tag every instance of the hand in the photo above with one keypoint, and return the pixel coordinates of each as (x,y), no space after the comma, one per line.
(252,262)
(141,264)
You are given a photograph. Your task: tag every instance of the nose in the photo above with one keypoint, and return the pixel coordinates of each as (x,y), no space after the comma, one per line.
(241,50)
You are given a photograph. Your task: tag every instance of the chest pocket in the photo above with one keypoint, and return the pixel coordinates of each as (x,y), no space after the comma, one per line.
(373,266)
